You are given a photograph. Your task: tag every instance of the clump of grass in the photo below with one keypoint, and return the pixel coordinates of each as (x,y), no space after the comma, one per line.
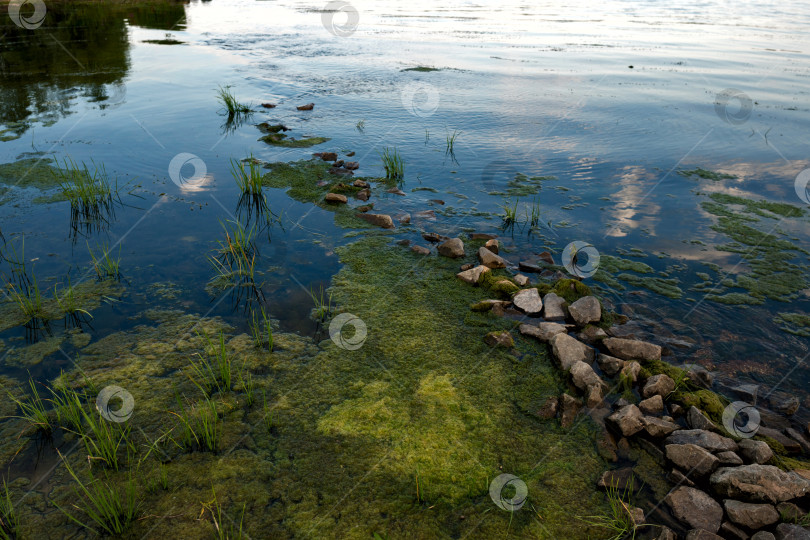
(248,386)
(261,327)
(89,189)
(393,163)
(201,429)
(323,304)
(32,409)
(248,176)
(69,409)
(111,509)
(618,520)
(230,103)
(103,440)
(360,126)
(235,260)
(104,265)
(535,217)
(213,374)
(509,217)
(225,531)
(69,304)
(9,521)
(28,297)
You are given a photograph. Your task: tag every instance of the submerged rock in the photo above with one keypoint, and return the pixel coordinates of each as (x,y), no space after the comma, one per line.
(632,349)
(570,407)
(493,245)
(307,107)
(528,301)
(521,280)
(380,220)
(336,198)
(419,250)
(499,339)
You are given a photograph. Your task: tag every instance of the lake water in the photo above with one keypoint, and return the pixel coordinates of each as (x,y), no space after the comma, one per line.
(610,103)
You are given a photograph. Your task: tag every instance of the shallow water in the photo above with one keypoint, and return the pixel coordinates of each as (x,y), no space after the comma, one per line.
(610,100)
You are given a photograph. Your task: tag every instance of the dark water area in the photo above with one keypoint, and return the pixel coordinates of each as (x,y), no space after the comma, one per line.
(636,127)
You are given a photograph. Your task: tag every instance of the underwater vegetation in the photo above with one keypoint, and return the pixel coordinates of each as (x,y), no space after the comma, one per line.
(393,164)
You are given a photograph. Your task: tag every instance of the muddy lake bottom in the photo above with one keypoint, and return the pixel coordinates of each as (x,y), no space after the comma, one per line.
(188,322)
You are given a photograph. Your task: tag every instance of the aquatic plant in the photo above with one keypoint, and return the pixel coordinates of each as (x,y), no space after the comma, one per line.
(618,520)
(201,429)
(248,385)
(393,163)
(323,304)
(90,191)
(535,217)
(69,303)
(509,217)
(225,531)
(213,373)
(108,507)
(230,103)
(9,521)
(235,260)
(104,439)
(248,175)
(32,409)
(360,125)
(28,297)
(69,410)
(258,329)
(451,143)
(104,265)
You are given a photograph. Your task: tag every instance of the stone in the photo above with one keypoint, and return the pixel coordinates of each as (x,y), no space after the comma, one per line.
(420,250)
(693,459)
(621,479)
(700,534)
(791,446)
(363,194)
(695,419)
(472,275)
(396,191)
(610,364)
(758,483)
(595,395)
(632,349)
(336,198)
(770,419)
(380,220)
(666,534)
(586,310)
(652,405)
(352,165)
(705,439)
(570,407)
(752,516)
(755,451)
(583,376)
(362,184)
(329,156)
(568,350)
(695,508)
(661,385)
(433,238)
(453,248)
(521,280)
(784,404)
(528,301)
(627,420)
(482,236)
(554,307)
(677,477)
(493,245)
(729,458)
(745,392)
(790,512)
(309,107)
(676,409)
(489,259)
(404,218)
(699,375)
(543,331)
(763,535)
(499,339)
(546,257)
(549,408)
(631,370)
(788,531)
(528,267)
(592,335)
(487,305)
(730,531)
(465,267)
(799,438)
(658,427)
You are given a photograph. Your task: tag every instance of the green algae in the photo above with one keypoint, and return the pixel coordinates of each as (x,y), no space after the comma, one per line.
(523,186)
(705,400)
(611,264)
(757,207)
(280,139)
(571,289)
(706,174)
(422,69)
(664,287)
(35,172)
(794,323)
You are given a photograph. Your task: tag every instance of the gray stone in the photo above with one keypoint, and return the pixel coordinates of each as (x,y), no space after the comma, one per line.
(627,420)
(699,375)
(729,458)
(549,408)
(790,512)
(631,349)
(679,479)
(568,350)
(336,198)
(592,335)
(705,439)
(758,483)
(661,385)
(693,459)
(595,395)
(788,531)
(658,427)
(731,531)
(583,376)
(499,339)
(666,534)
(522,280)
(653,405)
(621,479)
(419,250)
(586,310)
(610,364)
(700,534)
(528,301)
(489,259)
(631,370)
(472,275)
(791,446)
(453,248)
(493,245)
(763,535)
(755,451)
(695,419)
(695,508)
(799,438)
(752,516)
(784,404)
(553,307)
(380,220)
(543,331)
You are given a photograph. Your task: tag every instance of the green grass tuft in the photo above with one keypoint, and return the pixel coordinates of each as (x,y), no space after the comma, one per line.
(393,163)
(230,103)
